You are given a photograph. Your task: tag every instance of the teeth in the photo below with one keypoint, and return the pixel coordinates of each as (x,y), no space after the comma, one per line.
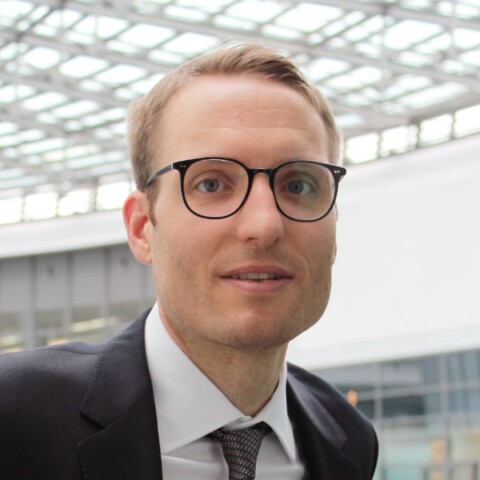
(256,276)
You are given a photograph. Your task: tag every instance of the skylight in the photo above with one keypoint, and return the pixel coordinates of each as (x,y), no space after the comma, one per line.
(69,69)
(82,66)
(146,36)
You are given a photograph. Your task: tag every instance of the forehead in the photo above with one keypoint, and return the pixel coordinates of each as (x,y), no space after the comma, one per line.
(214,111)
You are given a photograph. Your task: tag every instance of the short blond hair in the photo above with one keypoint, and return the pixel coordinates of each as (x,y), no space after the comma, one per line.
(144,113)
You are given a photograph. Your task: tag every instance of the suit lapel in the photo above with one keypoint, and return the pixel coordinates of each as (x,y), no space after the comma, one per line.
(319,437)
(120,401)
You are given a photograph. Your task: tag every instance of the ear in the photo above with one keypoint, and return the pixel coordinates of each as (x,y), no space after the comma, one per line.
(137,222)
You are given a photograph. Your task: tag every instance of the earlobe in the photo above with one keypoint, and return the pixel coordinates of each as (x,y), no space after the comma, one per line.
(138,225)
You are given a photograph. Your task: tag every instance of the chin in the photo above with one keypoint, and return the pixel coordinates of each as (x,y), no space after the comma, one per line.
(254,338)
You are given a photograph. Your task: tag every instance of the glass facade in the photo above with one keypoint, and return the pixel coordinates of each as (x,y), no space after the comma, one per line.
(426,412)
(87,295)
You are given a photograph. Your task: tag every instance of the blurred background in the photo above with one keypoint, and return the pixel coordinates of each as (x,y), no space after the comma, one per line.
(401,337)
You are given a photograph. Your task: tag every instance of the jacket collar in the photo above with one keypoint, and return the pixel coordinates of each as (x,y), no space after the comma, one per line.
(319,437)
(120,401)
(121,376)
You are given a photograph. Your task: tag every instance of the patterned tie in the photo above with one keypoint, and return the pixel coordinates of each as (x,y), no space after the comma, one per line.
(240,449)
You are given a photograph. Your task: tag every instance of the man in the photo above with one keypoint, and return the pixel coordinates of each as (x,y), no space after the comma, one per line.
(235,159)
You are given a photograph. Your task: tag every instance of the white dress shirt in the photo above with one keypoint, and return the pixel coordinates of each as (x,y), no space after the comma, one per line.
(189,406)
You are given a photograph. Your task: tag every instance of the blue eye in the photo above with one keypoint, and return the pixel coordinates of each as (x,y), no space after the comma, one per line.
(299,186)
(210,185)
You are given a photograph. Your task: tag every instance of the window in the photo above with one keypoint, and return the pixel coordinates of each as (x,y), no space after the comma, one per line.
(410,373)
(464,366)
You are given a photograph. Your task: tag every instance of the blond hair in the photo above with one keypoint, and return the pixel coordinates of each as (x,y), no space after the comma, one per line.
(144,113)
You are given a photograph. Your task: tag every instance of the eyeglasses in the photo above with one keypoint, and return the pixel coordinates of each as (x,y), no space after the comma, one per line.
(217,187)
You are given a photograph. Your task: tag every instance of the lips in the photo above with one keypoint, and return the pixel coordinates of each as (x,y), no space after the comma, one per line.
(257,274)
(256,279)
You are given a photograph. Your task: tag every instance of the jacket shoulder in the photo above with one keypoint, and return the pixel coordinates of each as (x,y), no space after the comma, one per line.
(326,395)
(340,423)
(40,376)
(42,391)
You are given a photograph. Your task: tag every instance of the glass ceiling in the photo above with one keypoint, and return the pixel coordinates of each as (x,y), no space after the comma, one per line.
(398,74)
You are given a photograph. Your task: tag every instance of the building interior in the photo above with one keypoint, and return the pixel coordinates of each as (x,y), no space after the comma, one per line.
(403,80)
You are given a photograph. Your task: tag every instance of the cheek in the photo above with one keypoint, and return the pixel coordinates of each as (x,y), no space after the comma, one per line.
(182,251)
(171,272)
(319,244)
(170,248)
(322,252)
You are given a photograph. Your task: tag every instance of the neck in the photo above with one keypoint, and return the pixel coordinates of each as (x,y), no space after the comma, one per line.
(247,377)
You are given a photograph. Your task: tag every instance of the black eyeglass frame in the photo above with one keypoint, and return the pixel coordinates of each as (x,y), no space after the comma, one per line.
(182,166)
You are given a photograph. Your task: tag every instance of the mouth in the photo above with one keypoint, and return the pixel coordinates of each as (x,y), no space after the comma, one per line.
(255,276)
(258,279)
(257,273)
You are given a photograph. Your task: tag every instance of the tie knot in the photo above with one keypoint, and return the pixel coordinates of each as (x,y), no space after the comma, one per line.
(240,449)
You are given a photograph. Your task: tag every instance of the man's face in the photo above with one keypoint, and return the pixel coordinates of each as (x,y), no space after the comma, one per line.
(204,270)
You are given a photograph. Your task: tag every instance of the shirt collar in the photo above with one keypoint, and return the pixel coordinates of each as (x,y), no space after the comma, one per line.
(189,406)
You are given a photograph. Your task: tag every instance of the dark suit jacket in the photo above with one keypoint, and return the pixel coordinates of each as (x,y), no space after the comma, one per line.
(86,412)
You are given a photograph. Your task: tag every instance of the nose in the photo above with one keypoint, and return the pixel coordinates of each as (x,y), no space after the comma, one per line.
(259,220)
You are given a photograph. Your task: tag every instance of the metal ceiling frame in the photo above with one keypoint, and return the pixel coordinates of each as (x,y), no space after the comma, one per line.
(380,113)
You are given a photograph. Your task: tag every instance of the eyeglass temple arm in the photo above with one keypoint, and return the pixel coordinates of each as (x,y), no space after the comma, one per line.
(160,172)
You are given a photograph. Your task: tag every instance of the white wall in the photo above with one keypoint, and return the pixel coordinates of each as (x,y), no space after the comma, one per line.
(59,235)
(407,276)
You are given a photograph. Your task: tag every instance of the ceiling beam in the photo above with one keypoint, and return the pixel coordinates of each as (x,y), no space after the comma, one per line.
(294,47)
(398,12)
(47,82)
(26,119)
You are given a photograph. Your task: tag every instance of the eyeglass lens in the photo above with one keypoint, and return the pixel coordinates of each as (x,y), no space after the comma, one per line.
(216,188)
